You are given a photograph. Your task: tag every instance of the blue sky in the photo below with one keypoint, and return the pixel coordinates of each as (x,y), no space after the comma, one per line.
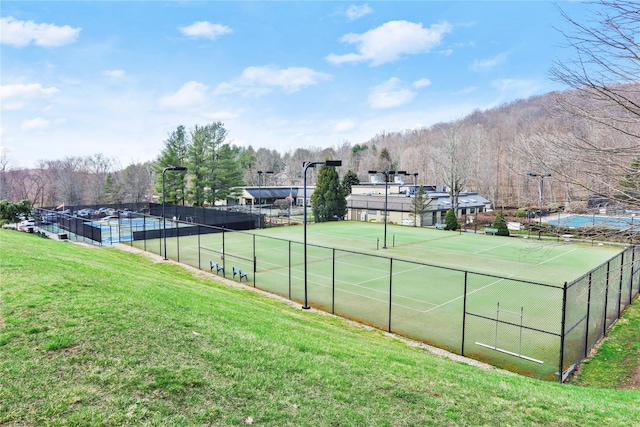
(81,78)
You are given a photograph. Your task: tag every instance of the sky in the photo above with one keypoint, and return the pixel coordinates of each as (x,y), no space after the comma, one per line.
(79,78)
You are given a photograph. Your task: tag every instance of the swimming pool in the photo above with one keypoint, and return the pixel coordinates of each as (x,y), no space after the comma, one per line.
(619,222)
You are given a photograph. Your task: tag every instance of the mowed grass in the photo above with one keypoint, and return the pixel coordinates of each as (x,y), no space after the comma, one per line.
(97,336)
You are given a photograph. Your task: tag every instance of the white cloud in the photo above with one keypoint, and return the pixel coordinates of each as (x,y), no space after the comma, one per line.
(421,83)
(116,74)
(221,115)
(466,90)
(390,41)
(22,33)
(392,93)
(344,125)
(355,12)
(205,30)
(15,96)
(257,81)
(517,88)
(489,64)
(189,95)
(36,124)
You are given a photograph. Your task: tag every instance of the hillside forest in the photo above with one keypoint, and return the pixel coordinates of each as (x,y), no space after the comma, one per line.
(584,140)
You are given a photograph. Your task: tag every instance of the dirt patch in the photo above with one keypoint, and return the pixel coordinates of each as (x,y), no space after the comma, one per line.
(634,382)
(234,284)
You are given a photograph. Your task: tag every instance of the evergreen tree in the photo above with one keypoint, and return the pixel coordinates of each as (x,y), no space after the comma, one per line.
(501,225)
(174,154)
(112,189)
(10,212)
(328,201)
(214,166)
(451,221)
(350,179)
(419,205)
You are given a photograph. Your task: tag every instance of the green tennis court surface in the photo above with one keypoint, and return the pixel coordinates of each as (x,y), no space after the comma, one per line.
(497,299)
(546,261)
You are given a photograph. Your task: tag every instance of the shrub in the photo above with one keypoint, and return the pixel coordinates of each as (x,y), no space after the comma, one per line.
(451,221)
(501,225)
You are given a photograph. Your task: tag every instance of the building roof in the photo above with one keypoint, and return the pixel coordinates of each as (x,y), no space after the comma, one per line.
(438,201)
(277,192)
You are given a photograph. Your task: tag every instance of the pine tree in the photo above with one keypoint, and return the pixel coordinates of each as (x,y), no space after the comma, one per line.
(501,225)
(451,221)
(419,205)
(328,201)
(350,179)
(174,154)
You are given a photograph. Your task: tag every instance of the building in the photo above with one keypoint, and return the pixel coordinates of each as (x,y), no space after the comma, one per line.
(367,203)
(268,195)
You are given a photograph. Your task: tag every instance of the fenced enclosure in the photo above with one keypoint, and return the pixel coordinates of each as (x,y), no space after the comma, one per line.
(536,328)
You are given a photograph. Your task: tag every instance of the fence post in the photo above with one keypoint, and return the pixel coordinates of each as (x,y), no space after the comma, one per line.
(606,301)
(633,258)
(224,260)
(289,270)
(464,311)
(562,330)
(620,284)
(254,261)
(333,282)
(199,258)
(586,334)
(177,241)
(390,283)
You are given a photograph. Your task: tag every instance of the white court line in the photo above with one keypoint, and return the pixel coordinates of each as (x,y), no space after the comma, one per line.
(468,293)
(492,248)
(551,259)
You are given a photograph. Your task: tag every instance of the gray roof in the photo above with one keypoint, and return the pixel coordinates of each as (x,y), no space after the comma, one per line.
(401,202)
(276,192)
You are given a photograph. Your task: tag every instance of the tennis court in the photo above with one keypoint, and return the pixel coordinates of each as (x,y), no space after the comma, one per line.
(492,298)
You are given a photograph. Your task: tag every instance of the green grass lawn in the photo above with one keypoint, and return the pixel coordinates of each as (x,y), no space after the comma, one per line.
(97,336)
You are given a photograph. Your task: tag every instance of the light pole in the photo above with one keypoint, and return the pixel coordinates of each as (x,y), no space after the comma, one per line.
(541,178)
(260,197)
(386,173)
(164,220)
(305,166)
(415,200)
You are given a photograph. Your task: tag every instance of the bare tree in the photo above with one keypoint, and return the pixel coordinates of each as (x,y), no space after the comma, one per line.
(603,128)
(96,168)
(137,182)
(456,156)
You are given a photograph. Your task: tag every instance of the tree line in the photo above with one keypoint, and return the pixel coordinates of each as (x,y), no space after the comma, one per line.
(587,138)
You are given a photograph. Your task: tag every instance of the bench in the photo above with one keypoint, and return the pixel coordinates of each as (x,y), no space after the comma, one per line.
(217,266)
(490,230)
(441,226)
(240,273)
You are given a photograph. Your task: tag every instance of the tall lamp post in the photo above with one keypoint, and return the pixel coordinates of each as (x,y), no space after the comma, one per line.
(260,197)
(164,220)
(387,174)
(541,178)
(305,166)
(415,204)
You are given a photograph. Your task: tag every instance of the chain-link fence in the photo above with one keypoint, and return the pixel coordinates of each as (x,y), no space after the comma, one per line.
(536,329)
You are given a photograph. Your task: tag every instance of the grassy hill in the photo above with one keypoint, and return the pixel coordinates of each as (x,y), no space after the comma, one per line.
(98,336)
